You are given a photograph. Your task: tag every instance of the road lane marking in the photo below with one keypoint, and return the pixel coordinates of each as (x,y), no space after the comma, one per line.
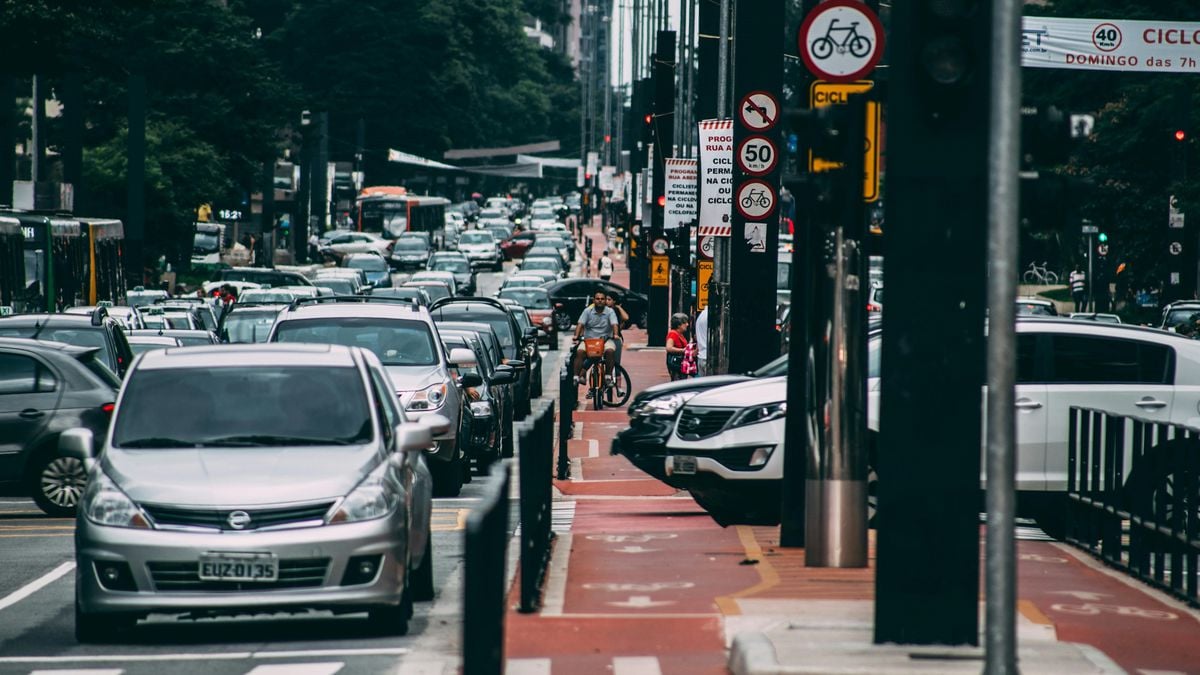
(80,671)
(527,666)
(593,448)
(635,665)
(556,576)
(1086,560)
(298,669)
(217,656)
(36,585)
(767,576)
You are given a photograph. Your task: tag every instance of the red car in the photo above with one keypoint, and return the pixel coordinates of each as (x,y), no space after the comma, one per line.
(515,246)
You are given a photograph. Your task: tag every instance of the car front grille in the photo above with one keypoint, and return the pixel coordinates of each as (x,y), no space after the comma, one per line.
(697,423)
(185,576)
(218,519)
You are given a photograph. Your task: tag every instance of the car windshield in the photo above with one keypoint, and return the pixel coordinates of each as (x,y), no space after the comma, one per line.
(1178,317)
(410,244)
(529,298)
(340,286)
(243,407)
(367,264)
(476,238)
(435,291)
(250,326)
(542,264)
(456,265)
(261,296)
(395,341)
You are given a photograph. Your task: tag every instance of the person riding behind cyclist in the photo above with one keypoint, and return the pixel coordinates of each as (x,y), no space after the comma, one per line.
(596,321)
(622,319)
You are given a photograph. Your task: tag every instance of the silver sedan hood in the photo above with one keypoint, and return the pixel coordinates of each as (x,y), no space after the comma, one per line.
(238,476)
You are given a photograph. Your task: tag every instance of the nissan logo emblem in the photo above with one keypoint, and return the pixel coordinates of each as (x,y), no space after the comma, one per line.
(238,520)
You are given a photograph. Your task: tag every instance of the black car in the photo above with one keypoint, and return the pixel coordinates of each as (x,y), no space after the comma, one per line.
(484,433)
(261,275)
(505,394)
(458,265)
(97,330)
(411,253)
(571,296)
(533,355)
(45,389)
(492,312)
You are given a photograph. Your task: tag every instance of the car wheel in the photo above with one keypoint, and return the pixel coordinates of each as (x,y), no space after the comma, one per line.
(562,321)
(421,578)
(57,482)
(643,320)
(100,628)
(392,620)
(447,476)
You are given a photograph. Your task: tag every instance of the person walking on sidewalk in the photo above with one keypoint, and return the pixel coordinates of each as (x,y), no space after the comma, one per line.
(596,322)
(676,345)
(701,335)
(1079,289)
(605,266)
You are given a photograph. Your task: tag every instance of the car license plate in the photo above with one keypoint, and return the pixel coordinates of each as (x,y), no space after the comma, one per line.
(239,567)
(683,464)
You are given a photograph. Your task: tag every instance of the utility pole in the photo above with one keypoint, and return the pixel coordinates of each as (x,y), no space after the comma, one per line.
(8,129)
(664,114)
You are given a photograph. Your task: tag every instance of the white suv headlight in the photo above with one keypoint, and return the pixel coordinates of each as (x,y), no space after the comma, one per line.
(429,398)
(663,406)
(375,497)
(481,409)
(759,413)
(104,504)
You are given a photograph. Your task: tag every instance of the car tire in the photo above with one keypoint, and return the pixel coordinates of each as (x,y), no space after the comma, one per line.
(447,477)
(100,628)
(562,321)
(421,579)
(392,620)
(56,483)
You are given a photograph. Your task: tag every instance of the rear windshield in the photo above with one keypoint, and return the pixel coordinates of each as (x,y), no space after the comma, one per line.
(435,291)
(74,335)
(395,342)
(528,298)
(497,319)
(476,238)
(249,326)
(243,407)
(368,264)
(450,265)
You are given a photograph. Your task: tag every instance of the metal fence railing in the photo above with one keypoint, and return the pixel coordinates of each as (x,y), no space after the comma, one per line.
(567,394)
(1133,497)
(486,552)
(536,471)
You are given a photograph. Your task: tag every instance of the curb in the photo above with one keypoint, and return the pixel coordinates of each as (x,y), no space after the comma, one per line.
(753,653)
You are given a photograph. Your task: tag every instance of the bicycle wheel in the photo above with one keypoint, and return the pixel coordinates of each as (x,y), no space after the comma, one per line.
(1029,277)
(596,386)
(618,394)
(821,48)
(1051,278)
(860,46)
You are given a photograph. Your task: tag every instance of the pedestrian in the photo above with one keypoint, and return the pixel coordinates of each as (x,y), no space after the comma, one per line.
(701,336)
(605,266)
(676,345)
(1078,282)
(314,246)
(587,249)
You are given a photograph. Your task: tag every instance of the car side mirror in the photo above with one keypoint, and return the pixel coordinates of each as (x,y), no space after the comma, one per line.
(413,437)
(462,358)
(515,364)
(437,424)
(78,443)
(531,332)
(470,380)
(504,376)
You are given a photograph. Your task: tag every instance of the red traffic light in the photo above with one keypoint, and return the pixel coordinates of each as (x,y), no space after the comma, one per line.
(587,176)
(649,119)
(607,138)
(1180,135)
(662,200)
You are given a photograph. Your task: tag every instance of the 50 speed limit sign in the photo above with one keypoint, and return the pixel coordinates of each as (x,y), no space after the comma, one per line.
(757,155)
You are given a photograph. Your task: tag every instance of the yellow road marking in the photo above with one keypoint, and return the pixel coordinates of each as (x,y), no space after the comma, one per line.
(767,575)
(1031,612)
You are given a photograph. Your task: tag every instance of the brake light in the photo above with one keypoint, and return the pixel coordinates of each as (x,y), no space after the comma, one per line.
(108,408)
(872,307)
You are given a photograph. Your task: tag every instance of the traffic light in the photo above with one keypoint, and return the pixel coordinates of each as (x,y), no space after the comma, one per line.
(1102,237)
(1180,135)
(949,45)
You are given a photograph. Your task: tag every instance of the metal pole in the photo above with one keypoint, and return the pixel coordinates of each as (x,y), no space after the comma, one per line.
(723,65)
(1003,159)
(1091,293)
(689,111)
(37,127)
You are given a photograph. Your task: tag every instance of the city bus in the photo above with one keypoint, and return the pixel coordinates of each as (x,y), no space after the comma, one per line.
(64,261)
(12,261)
(390,211)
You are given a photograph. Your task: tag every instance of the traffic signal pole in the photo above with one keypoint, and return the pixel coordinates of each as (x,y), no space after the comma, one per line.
(662,144)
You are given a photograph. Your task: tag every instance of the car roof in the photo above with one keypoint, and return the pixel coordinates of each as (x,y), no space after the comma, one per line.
(171,332)
(46,319)
(400,310)
(239,355)
(45,345)
(1033,324)
(467,304)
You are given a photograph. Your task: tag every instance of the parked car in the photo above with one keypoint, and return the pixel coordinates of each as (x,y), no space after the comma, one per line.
(481,249)
(570,296)
(98,330)
(536,301)
(46,388)
(403,336)
(493,313)
(183,513)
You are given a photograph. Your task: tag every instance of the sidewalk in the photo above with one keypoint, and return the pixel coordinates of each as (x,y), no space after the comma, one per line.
(642,581)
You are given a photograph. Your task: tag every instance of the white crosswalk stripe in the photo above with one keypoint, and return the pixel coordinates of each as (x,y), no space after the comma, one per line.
(562,516)
(527,667)
(298,669)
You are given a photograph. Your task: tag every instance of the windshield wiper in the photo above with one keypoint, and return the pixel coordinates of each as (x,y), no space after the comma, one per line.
(157,443)
(256,440)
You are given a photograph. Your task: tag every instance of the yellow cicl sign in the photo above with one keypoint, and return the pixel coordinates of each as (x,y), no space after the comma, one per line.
(704,271)
(660,270)
(824,93)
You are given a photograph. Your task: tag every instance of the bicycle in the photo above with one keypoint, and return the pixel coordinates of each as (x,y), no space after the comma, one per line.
(756,198)
(858,45)
(613,394)
(1042,276)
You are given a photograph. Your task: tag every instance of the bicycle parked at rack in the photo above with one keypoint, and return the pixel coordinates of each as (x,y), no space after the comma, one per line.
(1039,275)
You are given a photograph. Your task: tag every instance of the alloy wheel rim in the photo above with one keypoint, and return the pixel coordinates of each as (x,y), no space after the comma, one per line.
(63,481)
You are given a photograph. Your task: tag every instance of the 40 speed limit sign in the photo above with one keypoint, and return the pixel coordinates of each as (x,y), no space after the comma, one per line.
(757,155)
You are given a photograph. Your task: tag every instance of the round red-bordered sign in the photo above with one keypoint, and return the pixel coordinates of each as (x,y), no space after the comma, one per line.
(755,199)
(758,111)
(836,45)
(750,155)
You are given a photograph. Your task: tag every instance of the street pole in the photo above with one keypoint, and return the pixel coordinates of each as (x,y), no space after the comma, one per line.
(1004,160)
(1091,293)
(723,64)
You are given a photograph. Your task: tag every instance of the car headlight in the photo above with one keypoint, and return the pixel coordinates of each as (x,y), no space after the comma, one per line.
(375,497)
(759,413)
(663,406)
(105,504)
(481,408)
(429,398)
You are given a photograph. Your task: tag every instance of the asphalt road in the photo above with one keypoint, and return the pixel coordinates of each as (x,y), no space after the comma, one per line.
(37,622)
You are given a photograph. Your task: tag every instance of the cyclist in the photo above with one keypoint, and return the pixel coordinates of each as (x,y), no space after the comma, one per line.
(622,319)
(596,321)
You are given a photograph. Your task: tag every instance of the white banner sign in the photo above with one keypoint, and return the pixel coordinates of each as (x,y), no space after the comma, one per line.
(681,193)
(716,177)
(1110,44)
(606,178)
(593,159)
(579,176)
(640,189)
